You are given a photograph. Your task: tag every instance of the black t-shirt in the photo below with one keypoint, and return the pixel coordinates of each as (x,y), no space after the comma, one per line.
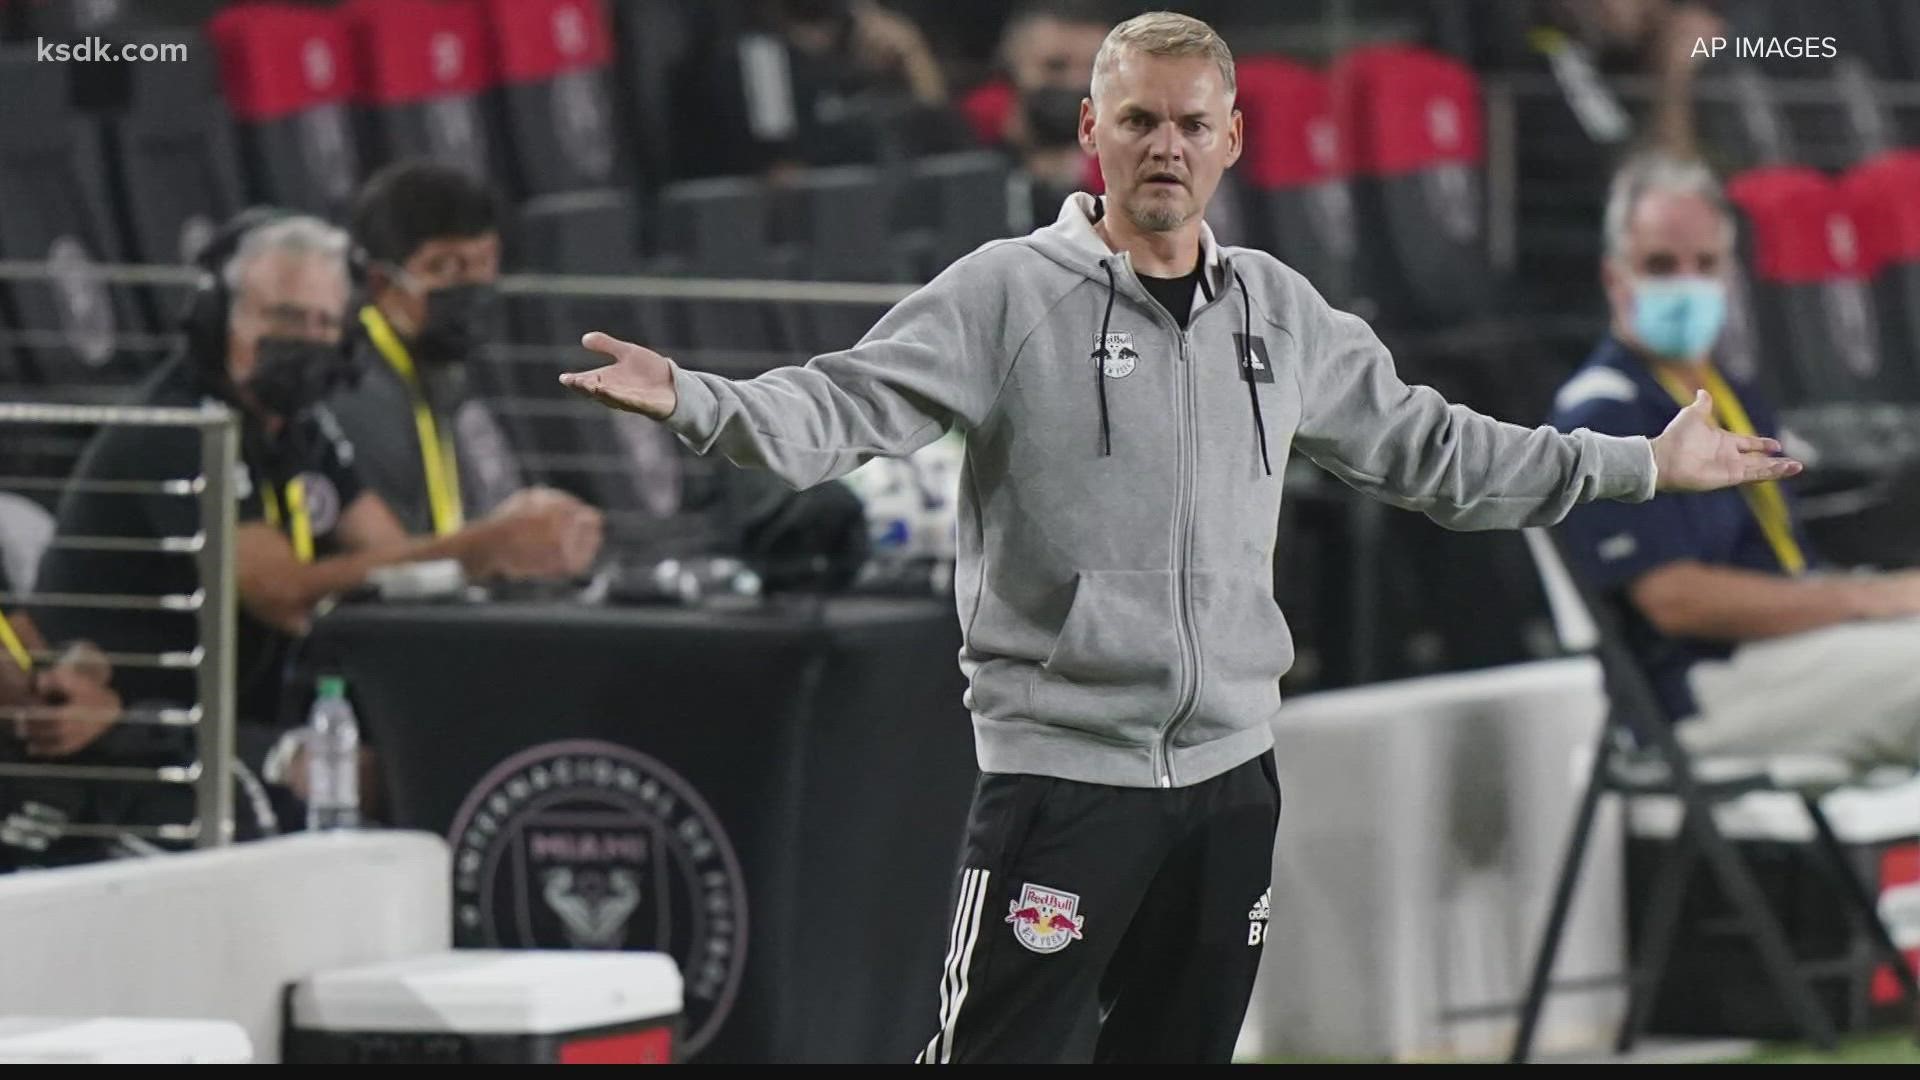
(1175,294)
(312,450)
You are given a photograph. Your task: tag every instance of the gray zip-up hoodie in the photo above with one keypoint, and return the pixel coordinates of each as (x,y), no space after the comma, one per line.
(1117,520)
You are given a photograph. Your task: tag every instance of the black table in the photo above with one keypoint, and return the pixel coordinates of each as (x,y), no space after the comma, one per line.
(775,795)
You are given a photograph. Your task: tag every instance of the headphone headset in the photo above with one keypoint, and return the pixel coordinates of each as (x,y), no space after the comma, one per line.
(203,320)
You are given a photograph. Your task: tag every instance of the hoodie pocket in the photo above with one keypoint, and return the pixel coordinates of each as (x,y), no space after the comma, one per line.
(1245,646)
(1114,669)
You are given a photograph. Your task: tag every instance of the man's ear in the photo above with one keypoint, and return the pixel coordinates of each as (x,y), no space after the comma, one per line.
(1086,126)
(1235,136)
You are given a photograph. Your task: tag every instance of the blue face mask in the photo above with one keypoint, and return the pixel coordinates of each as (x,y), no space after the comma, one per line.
(1679,318)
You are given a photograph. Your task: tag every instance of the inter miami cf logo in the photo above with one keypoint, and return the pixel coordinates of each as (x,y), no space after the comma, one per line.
(1115,354)
(588,845)
(1045,920)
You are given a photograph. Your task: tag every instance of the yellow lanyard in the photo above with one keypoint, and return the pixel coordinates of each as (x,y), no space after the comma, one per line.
(15,648)
(437,453)
(301,530)
(1764,499)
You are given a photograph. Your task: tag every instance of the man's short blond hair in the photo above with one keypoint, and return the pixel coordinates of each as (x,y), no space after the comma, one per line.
(1163,33)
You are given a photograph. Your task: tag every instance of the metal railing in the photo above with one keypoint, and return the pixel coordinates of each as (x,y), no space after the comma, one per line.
(211,717)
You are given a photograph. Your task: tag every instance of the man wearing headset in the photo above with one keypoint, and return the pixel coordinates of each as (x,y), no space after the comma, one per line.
(263,336)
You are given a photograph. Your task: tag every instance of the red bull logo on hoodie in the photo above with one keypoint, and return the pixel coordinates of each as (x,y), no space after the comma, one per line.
(1045,920)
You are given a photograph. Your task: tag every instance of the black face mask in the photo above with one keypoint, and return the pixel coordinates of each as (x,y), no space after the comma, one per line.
(460,319)
(1053,116)
(293,374)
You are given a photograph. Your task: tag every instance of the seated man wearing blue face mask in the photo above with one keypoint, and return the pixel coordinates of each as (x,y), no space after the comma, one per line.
(1722,597)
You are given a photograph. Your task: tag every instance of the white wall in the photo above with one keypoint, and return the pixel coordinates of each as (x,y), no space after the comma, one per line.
(217,934)
(1421,828)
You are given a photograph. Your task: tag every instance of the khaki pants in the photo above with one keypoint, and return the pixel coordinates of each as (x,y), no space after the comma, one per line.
(1850,691)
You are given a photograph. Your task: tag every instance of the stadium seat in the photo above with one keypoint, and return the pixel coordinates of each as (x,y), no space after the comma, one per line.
(828,217)
(1884,196)
(555,94)
(424,68)
(948,205)
(1814,327)
(288,74)
(622,463)
(56,209)
(1299,205)
(1411,121)
(722,228)
(654,38)
(176,163)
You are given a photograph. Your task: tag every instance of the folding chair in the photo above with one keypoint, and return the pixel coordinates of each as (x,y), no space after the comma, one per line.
(1638,754)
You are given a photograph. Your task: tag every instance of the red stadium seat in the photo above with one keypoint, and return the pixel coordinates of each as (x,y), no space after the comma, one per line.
(1296,173)
(289,76)
(1884,195)
(1412,124)
(552,58)
(1816,335)
(987,108)
(424,69)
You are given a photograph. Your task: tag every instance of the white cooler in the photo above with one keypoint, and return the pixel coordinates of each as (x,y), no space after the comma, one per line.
(122,1041)
(490,1007)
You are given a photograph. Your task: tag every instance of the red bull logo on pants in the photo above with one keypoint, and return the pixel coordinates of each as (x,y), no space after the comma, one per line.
(1044,919)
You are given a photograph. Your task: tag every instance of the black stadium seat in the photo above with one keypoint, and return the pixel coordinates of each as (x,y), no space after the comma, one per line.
(723,228)
(948,205)
(829,218)
(424,68)
(625,464)
(288,75)
(1884,195)
(55,208)
(176,162)
(177,167)
(655,38)
(555,94)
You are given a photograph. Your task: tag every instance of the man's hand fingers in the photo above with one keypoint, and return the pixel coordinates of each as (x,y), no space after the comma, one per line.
(1754,444)
(604,344)
(1771,468)
(591,383)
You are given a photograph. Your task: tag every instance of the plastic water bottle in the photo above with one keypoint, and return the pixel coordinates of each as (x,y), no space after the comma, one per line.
(333,759)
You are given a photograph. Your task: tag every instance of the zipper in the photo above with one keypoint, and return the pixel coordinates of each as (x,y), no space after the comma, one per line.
(1190,668)
(1183,561)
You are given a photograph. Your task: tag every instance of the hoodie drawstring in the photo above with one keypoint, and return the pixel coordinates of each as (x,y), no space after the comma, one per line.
(1246,366)
(1100,363)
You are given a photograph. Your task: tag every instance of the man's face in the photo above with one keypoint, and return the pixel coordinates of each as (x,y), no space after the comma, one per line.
(285,295)
(1164,130)
(437,264)
(1049,53)
(1669,234)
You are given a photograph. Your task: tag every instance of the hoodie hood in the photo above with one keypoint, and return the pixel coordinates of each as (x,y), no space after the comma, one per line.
(1073,242)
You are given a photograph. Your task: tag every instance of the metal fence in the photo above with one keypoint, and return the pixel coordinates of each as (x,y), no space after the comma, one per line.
(210,657)
(659,499)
